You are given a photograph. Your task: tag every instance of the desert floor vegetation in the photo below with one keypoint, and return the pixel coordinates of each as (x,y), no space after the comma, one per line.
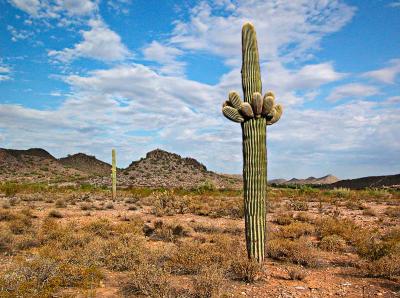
(78,242)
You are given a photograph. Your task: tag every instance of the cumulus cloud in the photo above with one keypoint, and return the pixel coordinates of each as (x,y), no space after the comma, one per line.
(99,43)
(387,74)
(54,9)
(285,29)
(352,91)
(166,56)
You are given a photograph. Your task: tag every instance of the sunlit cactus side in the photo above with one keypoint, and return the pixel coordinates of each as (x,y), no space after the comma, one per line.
(114,175)
(254,114)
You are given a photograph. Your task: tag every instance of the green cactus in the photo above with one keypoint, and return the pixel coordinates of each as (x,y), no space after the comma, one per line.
(114,175)
(254,114)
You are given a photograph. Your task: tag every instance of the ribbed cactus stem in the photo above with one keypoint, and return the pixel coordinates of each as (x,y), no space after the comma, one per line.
(254,114)
(254,151)
(114,175)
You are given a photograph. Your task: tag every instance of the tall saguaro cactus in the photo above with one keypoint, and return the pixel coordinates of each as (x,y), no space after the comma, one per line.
(254,114)
(114,175)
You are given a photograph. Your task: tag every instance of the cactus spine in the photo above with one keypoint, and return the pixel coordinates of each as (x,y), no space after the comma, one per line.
(254,114)
(114,175)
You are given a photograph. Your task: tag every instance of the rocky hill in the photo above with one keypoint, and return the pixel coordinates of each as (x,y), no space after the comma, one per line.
(33,165)
(87,164)
(164,169)
(370,182)
(328,179)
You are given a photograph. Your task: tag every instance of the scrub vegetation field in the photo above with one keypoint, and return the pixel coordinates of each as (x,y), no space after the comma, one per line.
(77,242)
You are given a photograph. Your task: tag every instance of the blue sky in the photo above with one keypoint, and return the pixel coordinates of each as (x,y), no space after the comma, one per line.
(89,75)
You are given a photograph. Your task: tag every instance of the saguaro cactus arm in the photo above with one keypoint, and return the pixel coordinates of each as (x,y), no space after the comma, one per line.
(254,114)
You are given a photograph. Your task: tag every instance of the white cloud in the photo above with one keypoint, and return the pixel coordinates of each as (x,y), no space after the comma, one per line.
(352,91)
(395,4)
(166,56)
(387,74)
(286,29)
(31,7)
(54,9)
(4,73)
(99,42)
(19,34)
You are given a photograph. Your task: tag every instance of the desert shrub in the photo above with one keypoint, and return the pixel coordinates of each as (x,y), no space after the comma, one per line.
(386,267)
(123,253)
(60,203)
(109,206)
(6,215)
(147,280)
(6,241)
(87,206)
(101,227)
(10,189)
(369,212)
(208,282)
(169,231)
(393,212)
(284,219)
(332,243)
(43,276)
(296,229)
(296,273)
(304,217)
(332,226)
(191,257)
(297,205)
(300,251)
(354,205)
(55,214)
(244,269)
(372,246)
(341,192)
(20,225)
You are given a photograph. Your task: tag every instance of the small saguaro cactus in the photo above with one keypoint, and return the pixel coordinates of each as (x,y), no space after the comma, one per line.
(114,175)
(254,114)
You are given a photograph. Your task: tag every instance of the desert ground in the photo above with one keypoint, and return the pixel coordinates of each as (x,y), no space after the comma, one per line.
(77,242)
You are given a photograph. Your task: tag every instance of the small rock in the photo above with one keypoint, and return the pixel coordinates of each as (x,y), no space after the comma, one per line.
(300,288)
(346,284)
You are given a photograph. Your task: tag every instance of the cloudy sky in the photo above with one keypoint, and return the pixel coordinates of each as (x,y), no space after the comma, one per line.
(89,75)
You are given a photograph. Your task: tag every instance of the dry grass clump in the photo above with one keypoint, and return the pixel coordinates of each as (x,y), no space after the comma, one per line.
(168,231)
(296,273)
(190,257)
(333,226)
(284,219)
(300,251)
(43,276)
(60,203)
(244,269)
(369,211)
(393,212)
(386,267)
(332,243)
(298,205)
(20,225)
(149,281)
(296,230)
(55,214)
(208,282)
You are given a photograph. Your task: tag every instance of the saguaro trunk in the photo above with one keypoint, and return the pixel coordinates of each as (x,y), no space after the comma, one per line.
(254,114)
(114,175)
(254,150)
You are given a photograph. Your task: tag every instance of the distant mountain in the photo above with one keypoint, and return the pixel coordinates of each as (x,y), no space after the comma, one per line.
(87,164)
(164,169)
(33,165)
(328,179)
(371,182)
